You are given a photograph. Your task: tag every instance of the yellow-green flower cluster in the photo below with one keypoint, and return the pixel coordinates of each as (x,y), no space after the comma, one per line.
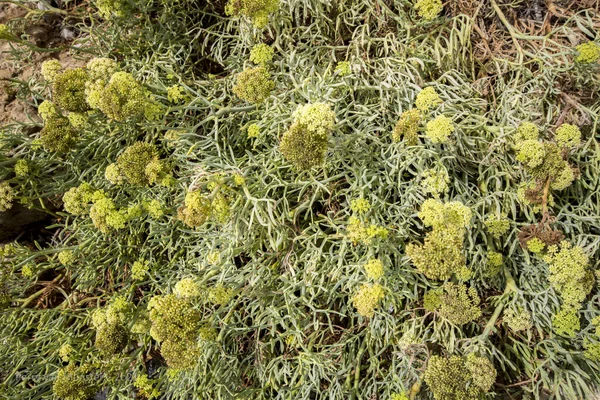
(58,134)
(75,383)
(459,378)
(68,90)
(531,153)
(439,129)
(261,54)
(399,396)
(368,298)
(77,199)
(122,98)
(139,269)
(253,131)
(304,144)
(47,110)
(177,94)
(256,10)
(588,53)
(78,120)
(7,196)
(592,350)
(145,387)
(138,165)
(154,208)
(571,278)
(27,271)
(104,215)
(196,209)
(494,263)
(374,269)
(360,206)
(517,320)
(567,135)
(596,322)
(66,257)
(111,335)
(454,302)
(441,254)
(343,68)
(429,9)
(435,180)
(361,232)
(564,178)
(50,69)
(254,85)
(497,225)
(427,99)
(187,288)
(65,352)
(175,325)
(407,127)
(526,131)
(220,295)
(5,33)
(535,245)
(21,168)
(101,68)
(112,8)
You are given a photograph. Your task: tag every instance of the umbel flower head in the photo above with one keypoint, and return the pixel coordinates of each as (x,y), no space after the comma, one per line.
(567,135)
(111,335)
(133,164)
(435,180)
(58,135)
(517,320)
(75,383)
(459,378)
(256,10)
(455,302)
(588,53)
(47,110)
(429,9)
(441,254)
(304,144)
(254,85)
(407,127)
(196,209)
(110,9)
(175,325)
(374,269)
(343,68)
(122,98)
(439,129)
(68,90)
(261,54)
(367,299)
(497,224)
(427,99)
(526,131)
(50,69)
(187,288)
(6,196)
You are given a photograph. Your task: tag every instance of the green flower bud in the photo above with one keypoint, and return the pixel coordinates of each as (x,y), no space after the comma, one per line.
(254,85)
(68,90)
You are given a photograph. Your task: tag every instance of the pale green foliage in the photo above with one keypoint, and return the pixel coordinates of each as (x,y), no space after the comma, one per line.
(368,298)
(6,196)
(589,52)
(254,85)
(454,302)
(50,69)
(261,54)
(256,10)
(428,9)
(407,127)
(427,99)
(304,144)
(456,378)
(439,129)
(68,90)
